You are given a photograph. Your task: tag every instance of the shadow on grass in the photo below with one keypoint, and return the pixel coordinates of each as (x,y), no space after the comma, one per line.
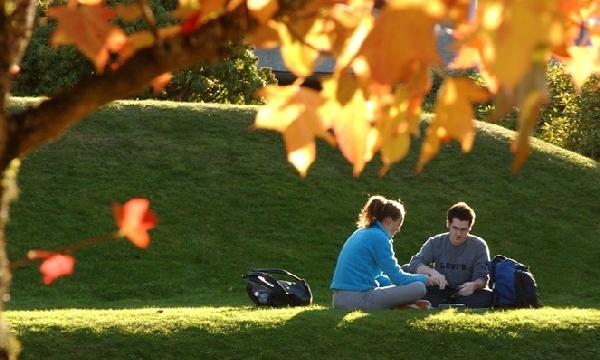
(322,334)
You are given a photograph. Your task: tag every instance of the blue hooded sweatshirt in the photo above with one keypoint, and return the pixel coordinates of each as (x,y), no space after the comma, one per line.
(367,261)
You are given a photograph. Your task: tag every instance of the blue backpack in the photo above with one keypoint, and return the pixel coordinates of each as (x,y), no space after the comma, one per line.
(513,284)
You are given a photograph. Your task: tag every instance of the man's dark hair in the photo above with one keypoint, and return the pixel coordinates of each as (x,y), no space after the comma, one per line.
(461,211)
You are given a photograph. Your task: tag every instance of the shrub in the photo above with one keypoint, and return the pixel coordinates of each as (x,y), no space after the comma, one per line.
(571,119)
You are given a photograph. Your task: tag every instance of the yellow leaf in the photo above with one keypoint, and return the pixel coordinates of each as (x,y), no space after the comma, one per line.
(394,150)
(530,111)
(529,96)
(294,111)
(351,123)
(515,35)
(298,56)
(352,44)
(453,118)
(583,63)
(263,10)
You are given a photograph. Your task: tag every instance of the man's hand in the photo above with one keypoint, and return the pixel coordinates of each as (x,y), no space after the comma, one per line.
(467,288)
(438,279)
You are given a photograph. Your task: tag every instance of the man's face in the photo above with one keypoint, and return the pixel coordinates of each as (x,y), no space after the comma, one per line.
(459,229)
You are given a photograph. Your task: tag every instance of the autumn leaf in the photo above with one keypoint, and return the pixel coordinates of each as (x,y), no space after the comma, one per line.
(159,82)
(298,56)
(134,219)
(393,130)
(402,37)
(265,35)
(263,10)
(453,117)
(129,12)
(89,28)
(584,62)
(294,112)
(55,266)
(196,12)
(89,2)
(351,119)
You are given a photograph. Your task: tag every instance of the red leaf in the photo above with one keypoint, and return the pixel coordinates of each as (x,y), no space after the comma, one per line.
(191,23)
(134,219)
(55,266)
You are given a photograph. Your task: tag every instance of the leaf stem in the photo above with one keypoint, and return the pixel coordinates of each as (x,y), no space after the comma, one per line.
(31,257)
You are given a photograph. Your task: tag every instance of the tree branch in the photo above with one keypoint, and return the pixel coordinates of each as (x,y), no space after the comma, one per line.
(37,125)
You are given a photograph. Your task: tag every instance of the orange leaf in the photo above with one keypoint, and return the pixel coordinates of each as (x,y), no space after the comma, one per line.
(453,118)
(265,35)
(161,81)
(263,10)
(129,12)
(55,266)
(134,219)
(293,111)
(88,28)
(402,36)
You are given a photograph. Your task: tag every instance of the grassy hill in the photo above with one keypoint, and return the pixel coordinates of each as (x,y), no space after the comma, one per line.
(228,201)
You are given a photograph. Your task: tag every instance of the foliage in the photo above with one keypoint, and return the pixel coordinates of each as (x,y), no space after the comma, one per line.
(570,120)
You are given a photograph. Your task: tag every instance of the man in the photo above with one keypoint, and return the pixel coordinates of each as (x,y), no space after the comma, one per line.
(456,263)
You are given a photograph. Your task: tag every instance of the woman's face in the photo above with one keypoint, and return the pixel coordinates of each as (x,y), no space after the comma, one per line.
(392,226)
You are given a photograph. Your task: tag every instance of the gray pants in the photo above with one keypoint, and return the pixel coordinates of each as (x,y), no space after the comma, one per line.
(386,297)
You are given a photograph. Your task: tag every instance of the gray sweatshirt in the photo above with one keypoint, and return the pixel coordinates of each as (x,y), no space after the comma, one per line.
(466,262)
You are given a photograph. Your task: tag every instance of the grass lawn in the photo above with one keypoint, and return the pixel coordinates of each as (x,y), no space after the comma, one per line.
(304,333)
(228,201)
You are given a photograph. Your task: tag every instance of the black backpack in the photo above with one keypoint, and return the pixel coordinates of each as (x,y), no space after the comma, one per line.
(513,284)
(264,290)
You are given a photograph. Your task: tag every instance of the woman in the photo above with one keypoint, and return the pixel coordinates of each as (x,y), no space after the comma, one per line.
(367,275)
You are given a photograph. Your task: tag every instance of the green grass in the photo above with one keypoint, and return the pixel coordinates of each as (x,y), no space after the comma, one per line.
(228,201)
(306,333)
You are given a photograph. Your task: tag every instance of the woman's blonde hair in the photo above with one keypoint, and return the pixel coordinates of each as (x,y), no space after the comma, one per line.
(378,208)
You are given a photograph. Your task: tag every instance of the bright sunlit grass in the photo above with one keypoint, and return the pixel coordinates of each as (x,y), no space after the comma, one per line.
(244,332)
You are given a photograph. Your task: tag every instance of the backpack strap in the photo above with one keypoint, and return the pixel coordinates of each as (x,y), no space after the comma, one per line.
(278,271)
(264,279)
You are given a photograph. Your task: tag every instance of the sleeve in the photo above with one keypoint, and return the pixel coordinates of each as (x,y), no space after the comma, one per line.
(383,280)
(480,267)
(425,256)
(386,260)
